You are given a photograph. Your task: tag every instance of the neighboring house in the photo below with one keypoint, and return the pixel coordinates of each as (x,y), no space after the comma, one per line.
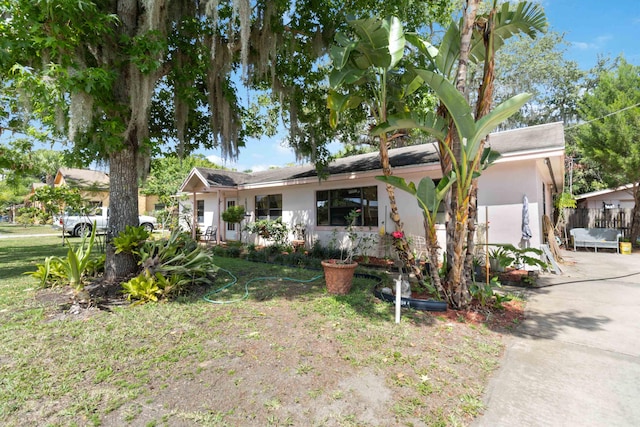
(32,191)
(532,164)
(611,198)
(610,208)
(94,187)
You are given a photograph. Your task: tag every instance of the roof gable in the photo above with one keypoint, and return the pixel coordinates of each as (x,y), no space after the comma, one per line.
(82,178)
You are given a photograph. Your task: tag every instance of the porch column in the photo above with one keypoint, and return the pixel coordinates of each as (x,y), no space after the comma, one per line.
(220,231)
(194,219)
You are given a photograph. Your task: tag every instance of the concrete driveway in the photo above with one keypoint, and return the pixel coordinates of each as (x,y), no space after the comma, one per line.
(575,360)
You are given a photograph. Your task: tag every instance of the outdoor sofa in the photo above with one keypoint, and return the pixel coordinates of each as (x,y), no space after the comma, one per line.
(608,238)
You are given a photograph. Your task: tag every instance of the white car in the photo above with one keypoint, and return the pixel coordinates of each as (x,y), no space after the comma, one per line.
(81,225)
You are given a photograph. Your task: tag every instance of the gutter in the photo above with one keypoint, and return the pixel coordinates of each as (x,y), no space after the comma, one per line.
(553,178)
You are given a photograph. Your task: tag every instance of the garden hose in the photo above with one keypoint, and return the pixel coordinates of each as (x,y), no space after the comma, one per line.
(234,280)
(624,276)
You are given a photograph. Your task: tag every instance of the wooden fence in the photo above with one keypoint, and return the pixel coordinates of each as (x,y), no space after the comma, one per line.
(619,219)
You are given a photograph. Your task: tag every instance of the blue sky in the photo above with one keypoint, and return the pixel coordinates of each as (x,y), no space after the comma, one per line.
(592,27)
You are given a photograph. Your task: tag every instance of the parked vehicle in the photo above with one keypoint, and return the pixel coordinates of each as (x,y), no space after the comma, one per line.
(81,224)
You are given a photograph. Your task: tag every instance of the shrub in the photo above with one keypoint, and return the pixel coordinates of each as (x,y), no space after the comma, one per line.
(274,230)
(51,273)
(72,269)
(130,239)
(171,265)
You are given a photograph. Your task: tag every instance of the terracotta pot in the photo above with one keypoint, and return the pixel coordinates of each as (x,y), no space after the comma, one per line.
(338,276)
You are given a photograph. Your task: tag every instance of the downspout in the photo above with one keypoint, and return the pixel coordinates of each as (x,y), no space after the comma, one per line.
(553,178)
(554,214)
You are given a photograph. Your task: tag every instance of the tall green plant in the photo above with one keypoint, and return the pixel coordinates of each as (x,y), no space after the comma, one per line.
(429,196)
(234,215)
(368,72)
(78,260)
(461,140)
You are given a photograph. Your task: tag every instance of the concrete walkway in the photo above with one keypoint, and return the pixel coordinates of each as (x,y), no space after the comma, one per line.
(26,236)
(575,360)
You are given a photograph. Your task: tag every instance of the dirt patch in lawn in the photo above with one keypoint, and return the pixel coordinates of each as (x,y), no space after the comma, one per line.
(287,355)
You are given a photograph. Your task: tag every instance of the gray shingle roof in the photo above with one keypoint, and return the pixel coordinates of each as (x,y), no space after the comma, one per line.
(533,138)
(85,178)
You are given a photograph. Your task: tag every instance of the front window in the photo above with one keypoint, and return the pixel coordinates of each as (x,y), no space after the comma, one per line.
(231,226)
(333,206)
(200,211)
(269,207)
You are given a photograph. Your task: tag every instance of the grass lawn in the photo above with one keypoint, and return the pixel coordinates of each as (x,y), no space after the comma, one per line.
(14,229)
(288,354)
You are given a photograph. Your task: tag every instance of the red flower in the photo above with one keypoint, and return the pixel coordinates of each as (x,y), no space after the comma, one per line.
(397,234)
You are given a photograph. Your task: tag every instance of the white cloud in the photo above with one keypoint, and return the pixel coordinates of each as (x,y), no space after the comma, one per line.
(596,44)
(215,159)
(582,45)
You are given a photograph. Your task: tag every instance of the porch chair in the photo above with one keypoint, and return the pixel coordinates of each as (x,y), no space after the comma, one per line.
(210,234)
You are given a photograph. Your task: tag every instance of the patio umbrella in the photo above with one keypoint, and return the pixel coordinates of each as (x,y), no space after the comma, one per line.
(526,230)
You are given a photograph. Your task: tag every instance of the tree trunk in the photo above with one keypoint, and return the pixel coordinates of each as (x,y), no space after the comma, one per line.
(483,106)
(455,283)
(404,251)
(123,209)
(433,248)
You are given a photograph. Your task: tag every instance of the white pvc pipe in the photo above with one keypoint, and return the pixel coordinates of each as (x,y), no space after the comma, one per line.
(398,296)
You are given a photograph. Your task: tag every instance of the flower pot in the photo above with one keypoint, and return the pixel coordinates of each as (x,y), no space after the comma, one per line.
(625,248)
(494,264)
(338,276)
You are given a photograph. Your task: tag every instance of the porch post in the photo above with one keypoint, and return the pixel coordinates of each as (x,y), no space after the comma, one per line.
(220,231)
(194,219)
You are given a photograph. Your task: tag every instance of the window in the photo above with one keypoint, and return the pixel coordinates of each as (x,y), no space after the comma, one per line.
(200,211)
(230,225)
(333,206)
(269,207)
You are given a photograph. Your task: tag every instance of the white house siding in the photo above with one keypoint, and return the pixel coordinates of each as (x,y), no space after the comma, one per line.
(296,203)
(500,196)
(501,190)
(299,203)
(210,210)
(613,199)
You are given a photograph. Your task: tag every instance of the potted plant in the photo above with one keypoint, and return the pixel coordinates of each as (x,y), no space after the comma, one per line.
(338,273)
(499,259)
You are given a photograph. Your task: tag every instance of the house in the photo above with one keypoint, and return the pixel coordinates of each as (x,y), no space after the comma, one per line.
(610,208)
(532,164)
(94,187)
(28,200)
(611,198)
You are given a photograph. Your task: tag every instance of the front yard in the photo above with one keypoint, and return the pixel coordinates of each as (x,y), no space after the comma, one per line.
(288,354)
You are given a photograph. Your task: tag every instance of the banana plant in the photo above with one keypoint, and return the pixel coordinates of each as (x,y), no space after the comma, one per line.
(461,140)
(368,73)
(464,144)
(510,20)
(429,196)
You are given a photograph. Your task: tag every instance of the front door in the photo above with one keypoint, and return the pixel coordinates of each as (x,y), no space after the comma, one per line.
(231,231)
